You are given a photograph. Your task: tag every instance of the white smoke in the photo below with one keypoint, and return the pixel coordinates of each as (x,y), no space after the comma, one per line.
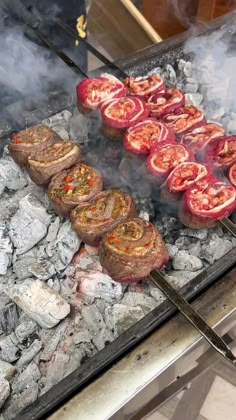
(29,69)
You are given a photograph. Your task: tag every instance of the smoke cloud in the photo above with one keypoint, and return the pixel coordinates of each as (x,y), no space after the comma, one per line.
(29,69)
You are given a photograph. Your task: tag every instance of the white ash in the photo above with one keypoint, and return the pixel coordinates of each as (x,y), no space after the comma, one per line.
(94,284)
(39,302)
(7,371)
(4,390)
(184,261)
(9,352)
(24,330)
(194,99)
(13,176)
(169,75)
(215,247)
(28,354)
(17,402)
(121,317)
(30,374)
(32,206)
(172,250)
(97,327)
(9,318)
(145,302)
(60,123)
(51,339)
(25,231)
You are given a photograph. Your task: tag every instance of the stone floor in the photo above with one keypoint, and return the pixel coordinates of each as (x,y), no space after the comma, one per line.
(212,396)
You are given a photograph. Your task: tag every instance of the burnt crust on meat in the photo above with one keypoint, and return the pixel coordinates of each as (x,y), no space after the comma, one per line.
(48,162)
(131,250)
(74,186)
(104,212)
(29,141)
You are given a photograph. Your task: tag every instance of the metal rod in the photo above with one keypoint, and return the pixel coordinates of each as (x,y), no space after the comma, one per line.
(73,34)
(67,60)
(230,226)
(192,316)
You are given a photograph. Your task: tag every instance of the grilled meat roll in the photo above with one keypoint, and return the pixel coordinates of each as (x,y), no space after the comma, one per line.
(92,92)
(145,135)
(131,250)
(121,113)
(184,119)
(104,212)
(166,103)
(48,162)
(232,174)
(182,177)
(206,202)
(165,158)
(199,138)
(222,154)
(145,86)
(29,141)
(74,186)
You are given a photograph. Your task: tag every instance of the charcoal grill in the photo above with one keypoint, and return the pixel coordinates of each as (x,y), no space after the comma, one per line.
(142,62)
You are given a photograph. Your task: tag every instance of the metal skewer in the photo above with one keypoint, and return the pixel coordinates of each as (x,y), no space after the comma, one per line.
(192,316)
(230,226)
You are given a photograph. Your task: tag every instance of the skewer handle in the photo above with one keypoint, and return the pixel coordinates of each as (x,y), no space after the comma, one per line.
(140,19)
(192,316)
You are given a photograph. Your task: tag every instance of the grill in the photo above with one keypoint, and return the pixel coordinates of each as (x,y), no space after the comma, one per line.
(107,319)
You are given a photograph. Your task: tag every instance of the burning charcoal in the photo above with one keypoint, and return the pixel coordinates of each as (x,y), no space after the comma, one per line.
(178,279)
(122,317)
(35,209)
(190,86)
(194,99)
(17,402)
(61,131)
(201,234)
(185,261)
(187,68)
(9,318)
(94,284)
(172,250)
(24,330)
(55,284)
(82,337)
(181,64)
(214,248)
(97,327)
(62,118)
(28,354)
(65,246)
(42,269)
(8,348)
(30,375)
(39,302)
(25,232)
(21,266)
(4,390)
(51,339)
(231,126)
(138,299)
(53,230)
(12,174)
(56,370)
(195,249)
(183,242)
(157,294)
(7,371)
(4,263)
(169,76)
(3,184)
(156,70)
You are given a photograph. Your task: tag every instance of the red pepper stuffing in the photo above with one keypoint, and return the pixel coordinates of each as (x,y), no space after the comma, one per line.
(90,182)
(67,188)
(68,178)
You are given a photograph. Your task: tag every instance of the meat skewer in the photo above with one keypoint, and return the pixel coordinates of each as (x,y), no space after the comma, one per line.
(144,86)
(30,140)
(165,158)
(165,103)
(184,119)
(73,186)
(181,178)
(121,113)
(222,154)
(199,138)
(145,135)
(46,163)
(131,250)
(92,92)
(108,209)
(207,202)
(232,174)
